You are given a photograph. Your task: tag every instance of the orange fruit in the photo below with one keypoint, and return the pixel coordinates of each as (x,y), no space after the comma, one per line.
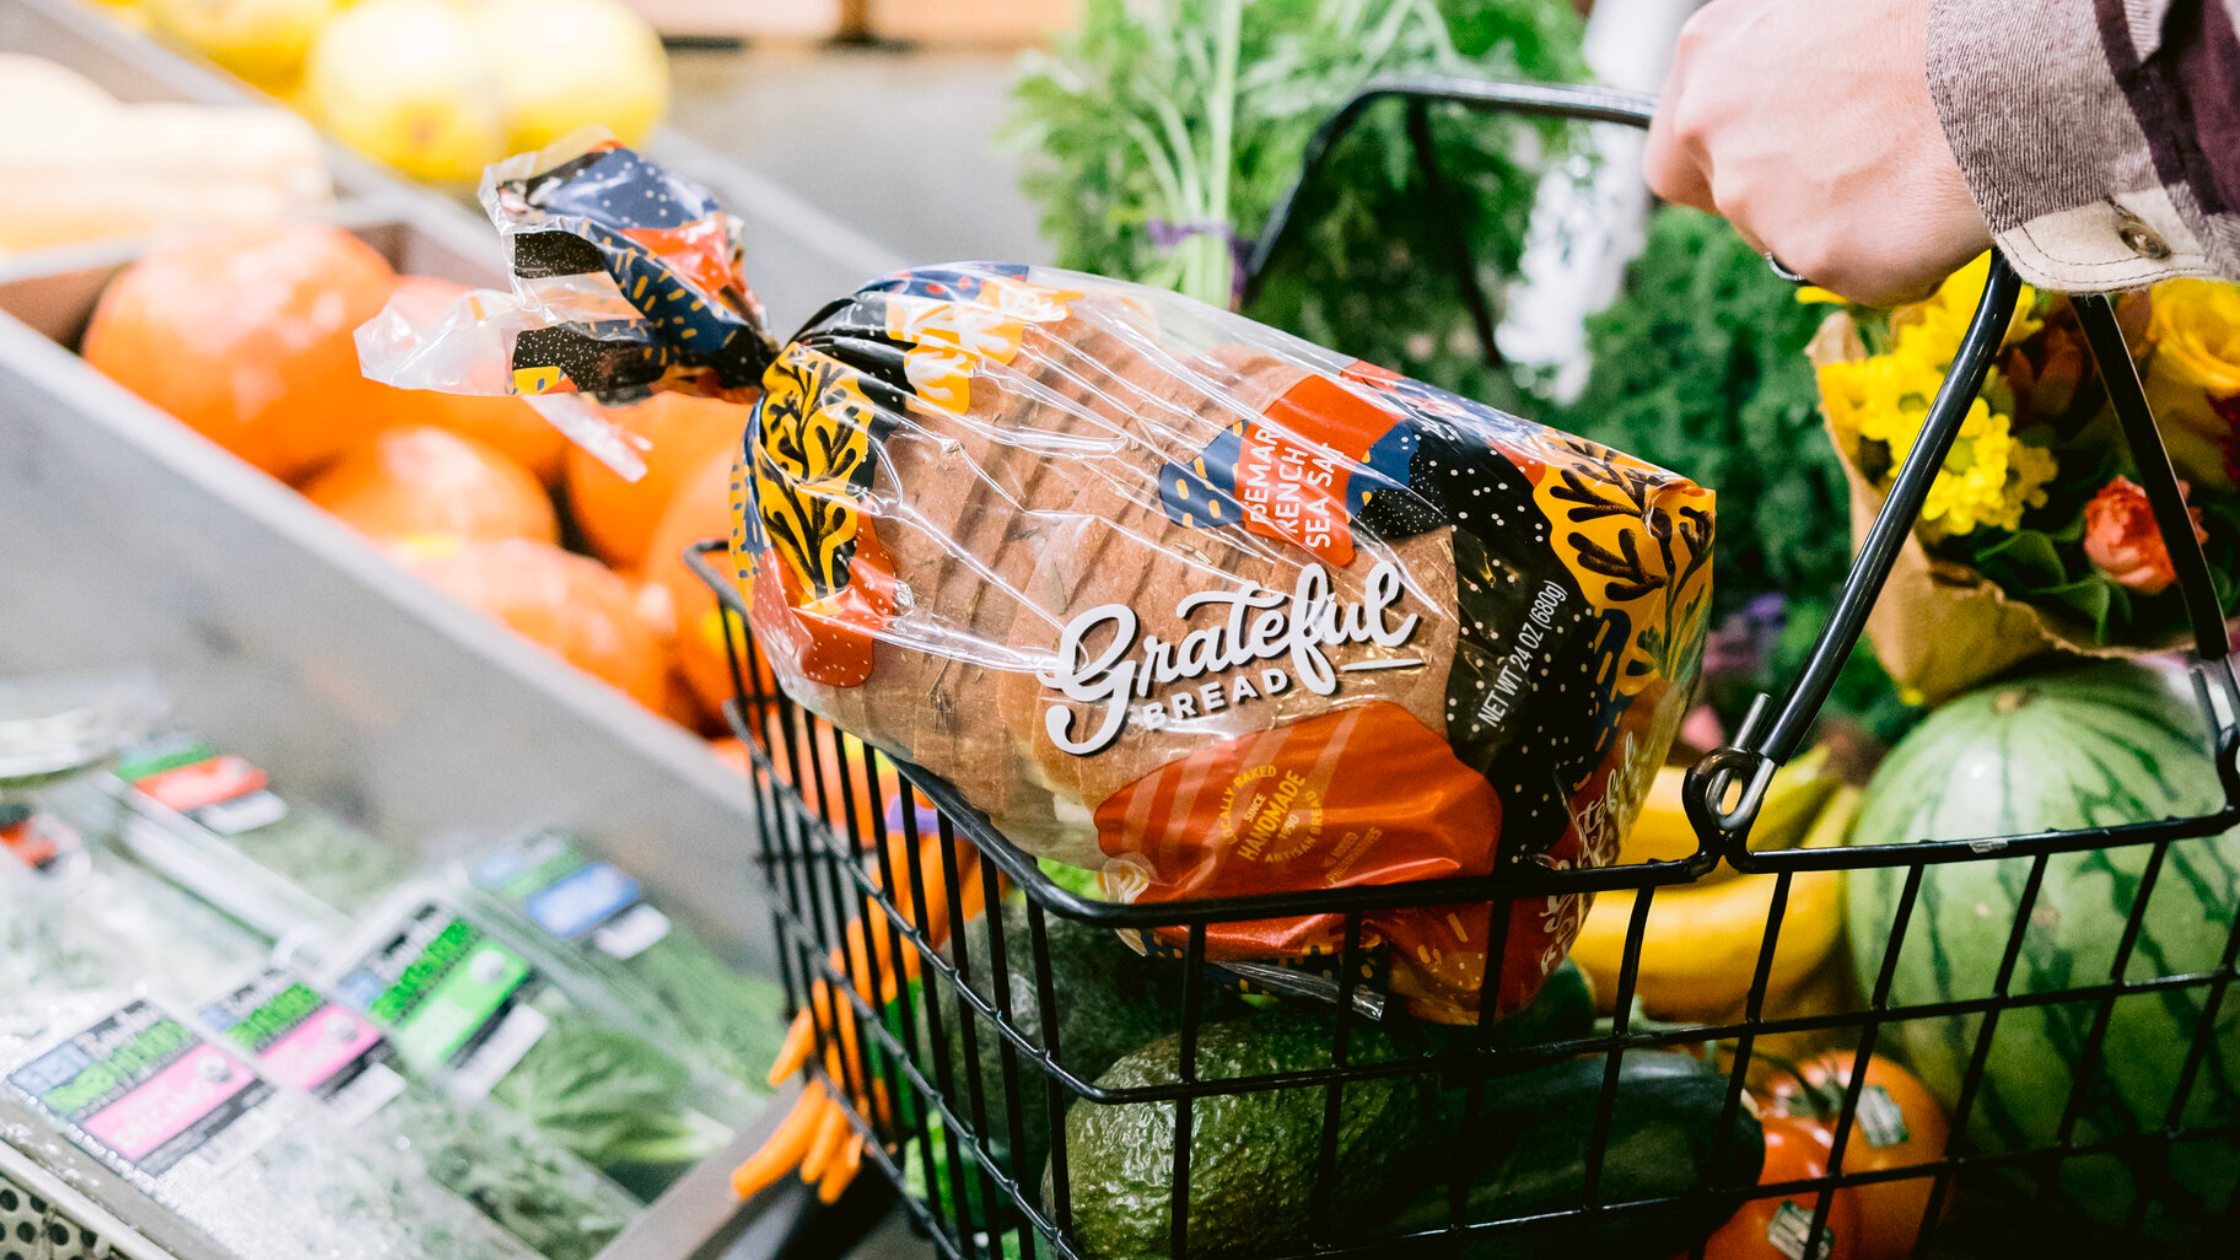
(509,425)
(571,605)
(732,752)
(416,479)
(618,517)
(680,706)
(701,509)
(247,337)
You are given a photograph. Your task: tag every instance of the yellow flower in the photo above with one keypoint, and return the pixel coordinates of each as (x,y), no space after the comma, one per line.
(2196,327)
(1990,478)
(2193,377)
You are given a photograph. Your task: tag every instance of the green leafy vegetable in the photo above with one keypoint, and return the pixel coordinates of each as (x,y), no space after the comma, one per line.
(674,985)
(1166,126)
(335,862)
(1700,367)
(617,1102)
(735,1022)
(545,1198)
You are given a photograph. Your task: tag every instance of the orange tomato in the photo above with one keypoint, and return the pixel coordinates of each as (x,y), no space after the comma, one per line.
(570,605)
(1775,1228)
(246,336)
(701,509)
(421,480)
(683,434)
(1897,1124)
(508,425)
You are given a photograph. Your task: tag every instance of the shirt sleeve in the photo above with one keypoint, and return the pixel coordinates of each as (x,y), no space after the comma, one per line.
(2101,138)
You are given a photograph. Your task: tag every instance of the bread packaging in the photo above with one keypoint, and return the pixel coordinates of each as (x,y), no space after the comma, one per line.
(1167,594)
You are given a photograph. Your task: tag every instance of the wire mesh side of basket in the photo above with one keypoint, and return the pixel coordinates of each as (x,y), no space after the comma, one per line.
(946,1039)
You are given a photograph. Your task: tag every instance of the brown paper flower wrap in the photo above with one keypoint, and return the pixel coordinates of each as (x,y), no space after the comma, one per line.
(1939,627)
(2037,490)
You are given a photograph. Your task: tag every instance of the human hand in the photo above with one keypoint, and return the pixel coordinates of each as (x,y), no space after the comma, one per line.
(1809,125)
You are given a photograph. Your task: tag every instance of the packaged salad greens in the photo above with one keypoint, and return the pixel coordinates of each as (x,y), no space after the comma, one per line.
(541,1194)
(257,1168)
(119,925)
(598,917)
(189,782)
(464,1006)
(54,726)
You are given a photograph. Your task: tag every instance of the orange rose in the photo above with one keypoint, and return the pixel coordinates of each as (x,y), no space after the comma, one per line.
(2121,540)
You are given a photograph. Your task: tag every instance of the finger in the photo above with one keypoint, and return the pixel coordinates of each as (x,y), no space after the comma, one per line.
(1675,166)
(1672,168)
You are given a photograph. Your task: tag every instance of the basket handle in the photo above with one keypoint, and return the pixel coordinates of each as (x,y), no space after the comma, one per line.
(1575,102)
(1770,736)
(1761,745)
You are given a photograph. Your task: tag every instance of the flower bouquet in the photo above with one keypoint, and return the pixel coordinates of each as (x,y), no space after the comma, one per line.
(2036,536)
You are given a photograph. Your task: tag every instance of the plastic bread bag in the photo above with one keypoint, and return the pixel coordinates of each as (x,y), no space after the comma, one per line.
(626,280)
(1189,602)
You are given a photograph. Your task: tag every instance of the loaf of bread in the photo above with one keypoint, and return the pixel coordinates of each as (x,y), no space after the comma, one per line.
(1166,594)
(1212,612)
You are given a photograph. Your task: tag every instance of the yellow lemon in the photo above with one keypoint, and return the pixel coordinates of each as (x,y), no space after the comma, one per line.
(407,82)
(263,41)
(563,65)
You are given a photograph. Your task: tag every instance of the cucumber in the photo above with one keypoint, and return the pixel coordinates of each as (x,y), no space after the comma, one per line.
(1530,1144)
(1563,1010)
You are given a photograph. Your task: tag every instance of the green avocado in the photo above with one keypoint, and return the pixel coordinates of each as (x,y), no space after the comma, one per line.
(1253,1155)
(1110,1000)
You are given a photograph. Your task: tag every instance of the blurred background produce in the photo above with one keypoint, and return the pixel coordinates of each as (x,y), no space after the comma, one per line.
(1167,132)
(437,88)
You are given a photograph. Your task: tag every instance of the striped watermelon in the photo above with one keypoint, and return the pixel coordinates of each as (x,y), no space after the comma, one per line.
(2111,743)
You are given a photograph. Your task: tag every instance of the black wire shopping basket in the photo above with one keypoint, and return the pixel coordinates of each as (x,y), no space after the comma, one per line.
(957,1039)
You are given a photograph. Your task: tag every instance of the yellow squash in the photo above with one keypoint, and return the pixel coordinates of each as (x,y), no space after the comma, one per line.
(1795,797)
(1700,947)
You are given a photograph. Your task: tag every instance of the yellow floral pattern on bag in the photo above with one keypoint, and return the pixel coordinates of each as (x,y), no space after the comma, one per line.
(1636,543)
(812,464)
(948,337)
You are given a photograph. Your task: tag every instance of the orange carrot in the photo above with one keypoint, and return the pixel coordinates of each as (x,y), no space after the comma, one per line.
(783,1149)
(842,1172)
(831,1128)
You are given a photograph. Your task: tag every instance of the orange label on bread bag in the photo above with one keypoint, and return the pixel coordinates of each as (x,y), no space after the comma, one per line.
(1362,795)
(830,640)
(1294,466)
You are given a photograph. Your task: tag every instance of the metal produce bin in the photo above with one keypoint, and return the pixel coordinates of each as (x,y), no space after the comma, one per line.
(128,540)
